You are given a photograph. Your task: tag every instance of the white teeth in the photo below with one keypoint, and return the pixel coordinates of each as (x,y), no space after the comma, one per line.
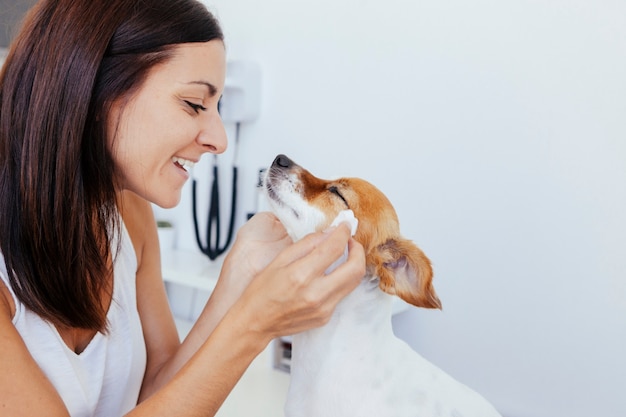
(183,162)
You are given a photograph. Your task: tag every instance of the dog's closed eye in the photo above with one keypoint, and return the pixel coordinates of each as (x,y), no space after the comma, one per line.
(334,190)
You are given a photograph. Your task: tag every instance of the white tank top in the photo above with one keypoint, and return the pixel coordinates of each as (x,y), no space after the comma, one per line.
(104,380)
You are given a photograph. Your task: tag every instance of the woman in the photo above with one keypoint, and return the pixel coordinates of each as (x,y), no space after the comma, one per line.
(101,105)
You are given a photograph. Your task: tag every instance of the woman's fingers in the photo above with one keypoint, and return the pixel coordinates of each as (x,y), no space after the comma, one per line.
(350,273)
(293,293)
(314,253)
(263,226)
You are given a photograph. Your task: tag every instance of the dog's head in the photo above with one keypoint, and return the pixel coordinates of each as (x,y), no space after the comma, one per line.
(305,203)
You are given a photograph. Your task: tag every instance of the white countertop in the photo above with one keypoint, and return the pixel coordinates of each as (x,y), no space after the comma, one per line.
(261,391)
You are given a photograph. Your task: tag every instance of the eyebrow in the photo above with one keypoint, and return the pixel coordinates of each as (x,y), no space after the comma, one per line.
(211,87)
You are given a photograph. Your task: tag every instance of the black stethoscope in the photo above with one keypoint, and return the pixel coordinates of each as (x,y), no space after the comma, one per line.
(212,247)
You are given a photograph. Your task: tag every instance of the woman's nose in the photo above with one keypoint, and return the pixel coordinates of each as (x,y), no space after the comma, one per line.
(213,136)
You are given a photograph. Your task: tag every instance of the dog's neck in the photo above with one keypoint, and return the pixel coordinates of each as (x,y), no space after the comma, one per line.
(361,321)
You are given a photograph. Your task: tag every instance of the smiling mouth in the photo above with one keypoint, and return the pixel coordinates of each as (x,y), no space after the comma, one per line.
(183,163)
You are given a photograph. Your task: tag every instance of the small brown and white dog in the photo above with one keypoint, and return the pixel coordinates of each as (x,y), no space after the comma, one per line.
(354,366)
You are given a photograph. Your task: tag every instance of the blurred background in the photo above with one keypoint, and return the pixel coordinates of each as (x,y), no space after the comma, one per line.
(498,130)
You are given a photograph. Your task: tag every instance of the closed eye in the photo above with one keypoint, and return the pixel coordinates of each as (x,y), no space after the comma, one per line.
(196,107)
(335,191)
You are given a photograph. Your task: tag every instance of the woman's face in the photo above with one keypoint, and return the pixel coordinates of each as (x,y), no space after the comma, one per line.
(169,123)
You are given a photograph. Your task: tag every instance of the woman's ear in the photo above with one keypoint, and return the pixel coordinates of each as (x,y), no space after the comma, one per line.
(405,271)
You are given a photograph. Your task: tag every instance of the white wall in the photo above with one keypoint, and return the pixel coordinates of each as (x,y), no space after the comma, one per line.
(497,128)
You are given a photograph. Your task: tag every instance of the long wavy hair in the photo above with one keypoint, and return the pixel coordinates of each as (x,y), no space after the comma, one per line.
(58,211)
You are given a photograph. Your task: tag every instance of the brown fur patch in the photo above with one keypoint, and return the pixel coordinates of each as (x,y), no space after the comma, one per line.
(404,270)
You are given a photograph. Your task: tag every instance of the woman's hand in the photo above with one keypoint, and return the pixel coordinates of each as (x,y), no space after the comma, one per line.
(293,293)
(256,245)
(274,287)
(269,287)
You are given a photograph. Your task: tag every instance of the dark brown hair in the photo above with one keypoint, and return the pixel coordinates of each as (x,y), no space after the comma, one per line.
(58,214)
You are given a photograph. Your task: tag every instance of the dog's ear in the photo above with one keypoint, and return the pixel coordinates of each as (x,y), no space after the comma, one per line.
(405,271)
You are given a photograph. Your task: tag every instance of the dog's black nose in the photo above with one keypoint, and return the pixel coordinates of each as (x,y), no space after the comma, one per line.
(282,161)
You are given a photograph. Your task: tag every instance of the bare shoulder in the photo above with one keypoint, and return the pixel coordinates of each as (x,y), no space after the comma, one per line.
(24,387)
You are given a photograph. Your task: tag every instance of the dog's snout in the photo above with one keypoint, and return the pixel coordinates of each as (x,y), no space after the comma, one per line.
(282,161)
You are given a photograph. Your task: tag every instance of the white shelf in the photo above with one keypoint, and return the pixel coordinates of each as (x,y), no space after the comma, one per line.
(190,268)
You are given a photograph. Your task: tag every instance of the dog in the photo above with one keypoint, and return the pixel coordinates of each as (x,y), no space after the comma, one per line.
(354,366)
